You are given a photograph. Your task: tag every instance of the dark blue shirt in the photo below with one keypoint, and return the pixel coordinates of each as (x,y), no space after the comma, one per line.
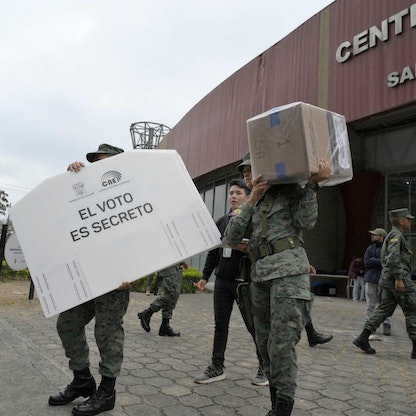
(372,263)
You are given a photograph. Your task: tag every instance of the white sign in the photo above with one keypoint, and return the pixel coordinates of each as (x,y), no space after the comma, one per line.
(13,254)
(116,220)
(370,38)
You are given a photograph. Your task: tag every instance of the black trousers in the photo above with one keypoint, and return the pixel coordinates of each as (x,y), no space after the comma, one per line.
(225,295)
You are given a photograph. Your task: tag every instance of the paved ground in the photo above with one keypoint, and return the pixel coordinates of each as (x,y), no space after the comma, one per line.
(157,375)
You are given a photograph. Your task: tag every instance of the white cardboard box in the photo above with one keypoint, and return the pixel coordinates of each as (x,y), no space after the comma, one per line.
(119,219)
(287,142)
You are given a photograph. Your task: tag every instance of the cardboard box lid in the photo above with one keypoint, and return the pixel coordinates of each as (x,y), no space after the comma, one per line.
(287,142)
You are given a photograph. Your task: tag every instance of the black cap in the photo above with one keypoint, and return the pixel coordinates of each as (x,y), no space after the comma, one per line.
(104,149)
(246,162)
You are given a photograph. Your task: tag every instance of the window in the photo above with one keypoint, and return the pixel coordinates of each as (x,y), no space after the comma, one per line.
(209,197)
(220,200)
(399,192)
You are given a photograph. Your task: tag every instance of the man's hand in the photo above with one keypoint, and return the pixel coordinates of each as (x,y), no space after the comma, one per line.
(201,284)
(243,246)
(324,173)
(75,166)
(259,188)
(124,285)
(399,285)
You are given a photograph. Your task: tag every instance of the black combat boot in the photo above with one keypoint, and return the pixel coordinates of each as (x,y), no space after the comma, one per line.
(102,400)
(144,317)
(273,399)
(414,350)
(362,342)
(284,407)
(314,337)
(83,385)
(166,331)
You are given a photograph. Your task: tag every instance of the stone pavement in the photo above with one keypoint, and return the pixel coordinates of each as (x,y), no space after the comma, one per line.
(157,375)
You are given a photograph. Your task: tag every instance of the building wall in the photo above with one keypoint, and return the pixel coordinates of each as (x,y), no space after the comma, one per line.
(355,57)
(358,87)
(303,67)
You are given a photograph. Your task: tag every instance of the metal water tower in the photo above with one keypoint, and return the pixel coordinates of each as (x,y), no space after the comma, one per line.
(147,135)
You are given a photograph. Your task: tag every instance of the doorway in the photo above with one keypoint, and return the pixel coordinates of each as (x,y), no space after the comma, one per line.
(399,191)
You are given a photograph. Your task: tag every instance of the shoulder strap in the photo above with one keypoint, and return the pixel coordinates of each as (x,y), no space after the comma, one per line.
(266,207)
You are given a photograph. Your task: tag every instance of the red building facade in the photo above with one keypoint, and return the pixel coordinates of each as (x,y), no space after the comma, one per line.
(356,58)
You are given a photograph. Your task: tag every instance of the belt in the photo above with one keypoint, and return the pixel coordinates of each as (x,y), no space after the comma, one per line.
(266,249)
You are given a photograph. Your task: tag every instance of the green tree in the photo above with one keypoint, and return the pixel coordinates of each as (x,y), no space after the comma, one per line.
(4,202)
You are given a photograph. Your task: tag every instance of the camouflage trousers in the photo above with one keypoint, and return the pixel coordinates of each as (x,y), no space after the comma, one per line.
(108,310)
(278,323)
(388,301)
(171,283)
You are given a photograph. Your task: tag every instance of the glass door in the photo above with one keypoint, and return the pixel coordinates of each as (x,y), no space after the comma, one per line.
(399,192)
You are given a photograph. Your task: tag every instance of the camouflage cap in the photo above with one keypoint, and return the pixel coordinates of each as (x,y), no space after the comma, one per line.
(378,231)
(104,149)
(401,212)
(246,162)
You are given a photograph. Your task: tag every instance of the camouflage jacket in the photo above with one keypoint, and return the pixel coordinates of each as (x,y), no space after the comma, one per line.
(292,209)
(396,256)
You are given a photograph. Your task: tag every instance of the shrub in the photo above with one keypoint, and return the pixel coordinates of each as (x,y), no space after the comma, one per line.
(140,285)
(8,274)
(189,277)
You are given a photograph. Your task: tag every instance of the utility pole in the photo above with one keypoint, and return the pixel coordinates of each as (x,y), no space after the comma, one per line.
(3,242)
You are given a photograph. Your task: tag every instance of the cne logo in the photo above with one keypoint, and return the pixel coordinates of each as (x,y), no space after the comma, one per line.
(111,177)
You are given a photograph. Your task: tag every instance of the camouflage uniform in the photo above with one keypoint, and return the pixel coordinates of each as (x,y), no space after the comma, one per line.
(396,261)
(171,283)
(280,289)
(108,310)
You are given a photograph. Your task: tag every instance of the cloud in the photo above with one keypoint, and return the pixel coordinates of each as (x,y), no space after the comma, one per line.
(78,73)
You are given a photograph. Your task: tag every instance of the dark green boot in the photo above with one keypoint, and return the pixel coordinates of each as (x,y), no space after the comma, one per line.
(83,385)
(314,337)
(273,399)
(166,331)
(362,342)
(144,317)
(102,400)
(284,407)
(414,350)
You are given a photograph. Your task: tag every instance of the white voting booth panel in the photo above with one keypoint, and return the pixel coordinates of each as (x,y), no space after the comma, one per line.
(13,254)
(119,219)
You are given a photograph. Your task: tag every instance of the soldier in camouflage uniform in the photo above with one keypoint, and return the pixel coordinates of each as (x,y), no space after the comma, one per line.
(314,337)
(273,218)
(170,280)
(108,310)
(395,286)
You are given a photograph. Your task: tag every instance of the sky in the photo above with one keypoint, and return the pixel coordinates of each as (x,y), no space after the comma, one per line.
(78,73)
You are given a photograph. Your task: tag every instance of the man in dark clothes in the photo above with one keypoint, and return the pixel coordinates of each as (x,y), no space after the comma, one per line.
(226,263)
